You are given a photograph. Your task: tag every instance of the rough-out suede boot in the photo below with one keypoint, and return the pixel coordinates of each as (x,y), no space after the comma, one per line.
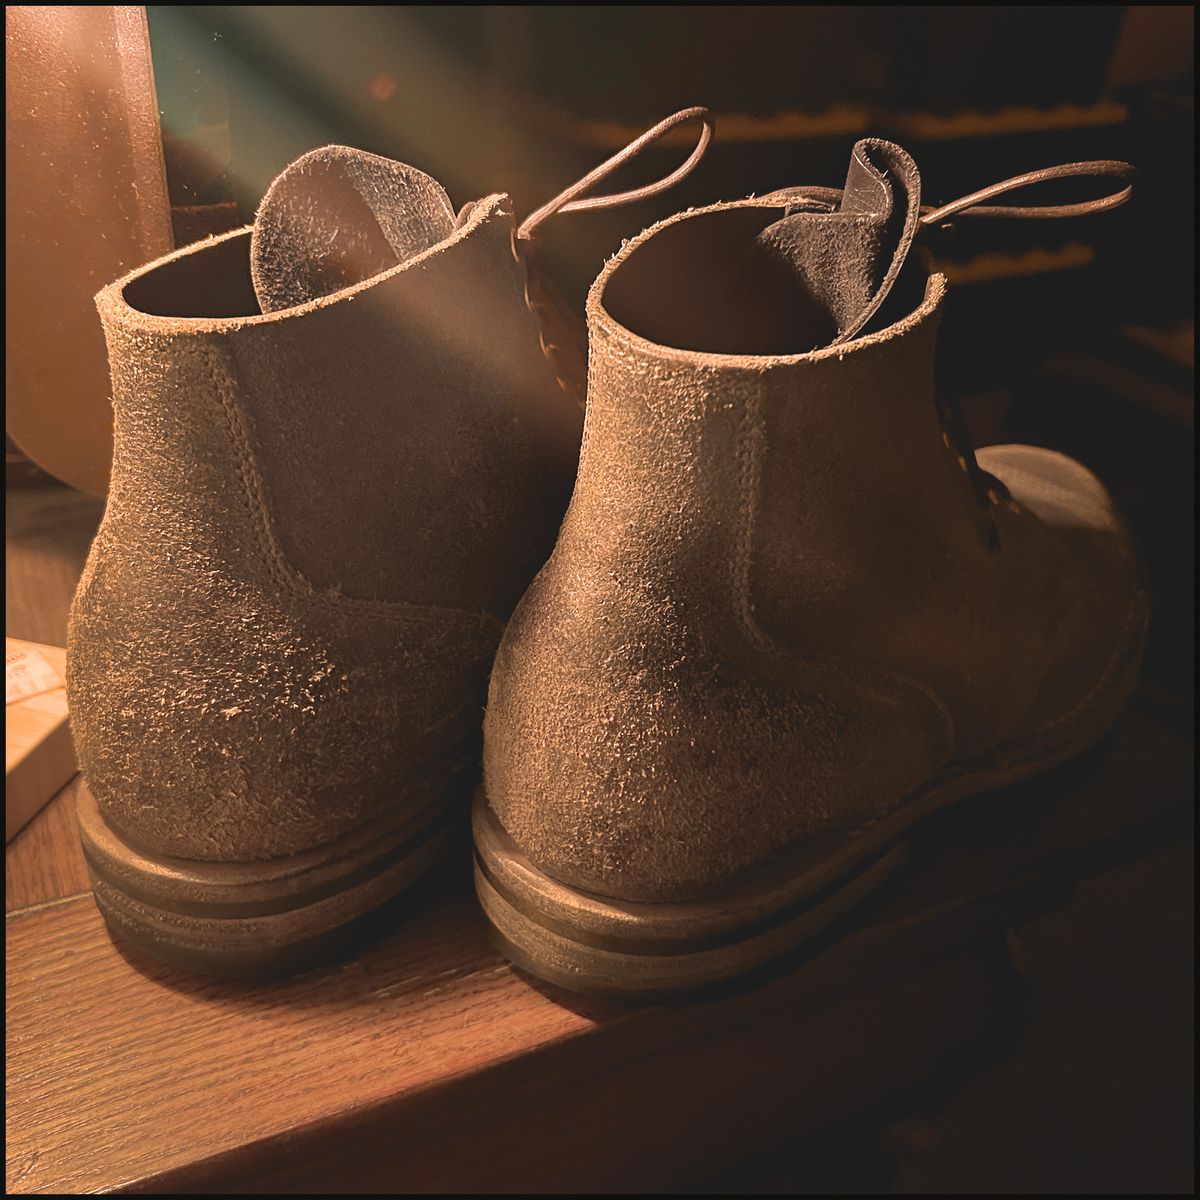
(788,614)
(343,448)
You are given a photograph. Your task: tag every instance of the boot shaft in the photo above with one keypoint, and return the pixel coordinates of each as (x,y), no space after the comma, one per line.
(319,519)
(797,467)
(410,419)
(816,502)
(638,687)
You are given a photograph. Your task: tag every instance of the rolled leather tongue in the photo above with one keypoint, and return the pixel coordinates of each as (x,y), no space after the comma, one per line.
(338,216)
(847,260)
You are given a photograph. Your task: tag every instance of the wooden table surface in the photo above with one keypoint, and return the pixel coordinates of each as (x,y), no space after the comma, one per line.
(427,1063)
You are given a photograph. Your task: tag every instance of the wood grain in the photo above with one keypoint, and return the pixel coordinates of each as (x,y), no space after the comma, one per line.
(48,530)
(429,1064)
(652,1104)
(44,862)
(126,1074)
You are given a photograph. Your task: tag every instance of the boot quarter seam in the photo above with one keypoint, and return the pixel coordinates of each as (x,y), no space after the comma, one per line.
(750,437)
(750,440)
(252,494)
(751,443)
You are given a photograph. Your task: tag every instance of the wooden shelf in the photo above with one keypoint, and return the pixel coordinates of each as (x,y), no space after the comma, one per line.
(427,1063)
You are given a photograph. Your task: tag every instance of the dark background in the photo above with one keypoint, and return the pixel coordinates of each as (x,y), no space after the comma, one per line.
(1075,334)
(523,100)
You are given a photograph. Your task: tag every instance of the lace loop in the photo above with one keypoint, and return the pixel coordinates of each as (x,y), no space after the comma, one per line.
(572,199)
(1098,169)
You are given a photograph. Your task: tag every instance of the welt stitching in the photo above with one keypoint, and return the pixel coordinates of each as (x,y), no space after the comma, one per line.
(281,572)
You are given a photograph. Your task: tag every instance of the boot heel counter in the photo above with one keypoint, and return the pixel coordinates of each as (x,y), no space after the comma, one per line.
(223,708)
(639,766)
(248,725)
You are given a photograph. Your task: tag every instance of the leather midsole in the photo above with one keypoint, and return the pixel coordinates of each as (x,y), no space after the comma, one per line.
(245,889)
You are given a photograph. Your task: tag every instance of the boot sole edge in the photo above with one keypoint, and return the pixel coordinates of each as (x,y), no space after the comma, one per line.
(644,950)
(257,920)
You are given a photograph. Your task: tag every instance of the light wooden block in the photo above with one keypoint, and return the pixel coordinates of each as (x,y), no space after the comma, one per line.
(39,756)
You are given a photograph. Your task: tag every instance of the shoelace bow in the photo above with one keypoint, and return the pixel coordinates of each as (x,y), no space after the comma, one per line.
(1102,168)
(574,199)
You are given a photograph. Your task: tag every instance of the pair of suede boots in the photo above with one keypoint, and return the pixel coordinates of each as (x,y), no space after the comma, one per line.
(788,614)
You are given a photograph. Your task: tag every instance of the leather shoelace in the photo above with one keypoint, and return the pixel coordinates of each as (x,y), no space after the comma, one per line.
(540,297)
(971,205)
(575,199)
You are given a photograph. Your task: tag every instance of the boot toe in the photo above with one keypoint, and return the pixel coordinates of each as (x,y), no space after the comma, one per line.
(1099,602)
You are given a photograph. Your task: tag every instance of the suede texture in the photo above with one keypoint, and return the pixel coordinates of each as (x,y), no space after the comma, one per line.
(337,216)
(319,520)
(775,607)
(842,265)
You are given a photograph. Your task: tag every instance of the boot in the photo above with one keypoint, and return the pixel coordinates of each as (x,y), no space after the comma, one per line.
(345,438)
(788,615)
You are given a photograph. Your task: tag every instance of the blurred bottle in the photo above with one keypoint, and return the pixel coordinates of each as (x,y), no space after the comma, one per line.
(86,201)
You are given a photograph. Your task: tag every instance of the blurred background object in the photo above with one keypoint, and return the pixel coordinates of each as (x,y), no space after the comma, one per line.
(86,200)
